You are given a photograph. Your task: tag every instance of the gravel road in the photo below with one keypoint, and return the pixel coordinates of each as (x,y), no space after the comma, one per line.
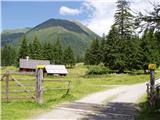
(118,103)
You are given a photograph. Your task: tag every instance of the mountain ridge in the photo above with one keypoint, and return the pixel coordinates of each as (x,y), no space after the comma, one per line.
(72,33)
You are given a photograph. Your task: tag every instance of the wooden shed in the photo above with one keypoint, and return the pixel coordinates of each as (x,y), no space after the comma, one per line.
(56,69)
(29,65)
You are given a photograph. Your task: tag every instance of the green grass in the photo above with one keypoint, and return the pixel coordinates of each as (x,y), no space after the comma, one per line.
(82,85)
(146,113)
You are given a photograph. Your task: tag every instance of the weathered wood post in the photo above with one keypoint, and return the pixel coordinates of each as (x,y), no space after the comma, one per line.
(39,79)
(152,99)
(152,67)
(7,86)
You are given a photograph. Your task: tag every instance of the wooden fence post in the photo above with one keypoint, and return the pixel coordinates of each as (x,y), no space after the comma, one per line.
(152,81)
(39,90)
(7,86)
(68,88)
(152,97)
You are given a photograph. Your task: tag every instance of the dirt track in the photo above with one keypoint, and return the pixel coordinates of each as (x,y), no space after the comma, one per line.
(119,103)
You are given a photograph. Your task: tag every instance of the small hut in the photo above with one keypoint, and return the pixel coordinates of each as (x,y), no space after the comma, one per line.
(29,65)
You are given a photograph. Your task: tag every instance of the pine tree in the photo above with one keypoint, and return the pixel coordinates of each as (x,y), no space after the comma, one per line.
(57,52)
(157,40)
(36,49)
(119,37)
(30,49)
(150,49)
(123,19)
(8,55)
(102,48)
(114,51)
(87,57)
(150,25)
(150,20)
(134,54)
(68,57)
(93,54)
(79,59)
(48,52)
(23,51)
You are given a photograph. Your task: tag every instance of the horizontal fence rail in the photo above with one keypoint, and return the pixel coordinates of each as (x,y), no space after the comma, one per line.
(12,85)
(28,88)
(65,81)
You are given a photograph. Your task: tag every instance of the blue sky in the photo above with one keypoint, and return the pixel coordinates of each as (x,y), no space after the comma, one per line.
(98,15)
(28,14)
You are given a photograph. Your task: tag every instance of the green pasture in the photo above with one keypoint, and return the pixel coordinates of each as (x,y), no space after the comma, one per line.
(82,84)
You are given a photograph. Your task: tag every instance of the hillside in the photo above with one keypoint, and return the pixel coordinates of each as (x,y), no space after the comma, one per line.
(8,36)
(68,32)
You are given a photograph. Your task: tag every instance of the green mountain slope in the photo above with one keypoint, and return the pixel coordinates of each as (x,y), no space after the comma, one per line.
(8,36)
(68,32)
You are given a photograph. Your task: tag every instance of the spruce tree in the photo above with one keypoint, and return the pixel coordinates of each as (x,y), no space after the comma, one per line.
(150,49)
(134,54)
(23,51)
(114,51)
(149,20)
(102,48)
(8,55)
(68,57)
(57,52)
(150,25)
(30,49)
(123,19)
(157,40)
(48,52)
(119,37)
(36,49)
(93,54)
(87,57)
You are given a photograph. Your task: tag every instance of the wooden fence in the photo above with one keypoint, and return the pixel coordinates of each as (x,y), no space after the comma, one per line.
(36,93)
(153,93)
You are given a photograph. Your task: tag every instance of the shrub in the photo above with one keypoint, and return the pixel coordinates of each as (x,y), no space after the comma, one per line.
(97,69)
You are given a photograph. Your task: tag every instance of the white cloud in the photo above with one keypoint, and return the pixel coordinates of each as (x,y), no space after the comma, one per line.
(101,15)
(68,11)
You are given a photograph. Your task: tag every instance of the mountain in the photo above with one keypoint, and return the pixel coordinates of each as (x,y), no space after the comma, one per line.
(8,36)
(68,32)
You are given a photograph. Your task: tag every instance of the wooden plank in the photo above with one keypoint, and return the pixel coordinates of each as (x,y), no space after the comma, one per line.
(13,86)
(21,85)
(16,98)
(18,91)
(50,89)
(46,80)
(18,73)
(29,84)
(26,79)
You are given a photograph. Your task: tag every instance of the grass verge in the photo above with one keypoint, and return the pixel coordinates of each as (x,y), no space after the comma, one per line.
(146,113)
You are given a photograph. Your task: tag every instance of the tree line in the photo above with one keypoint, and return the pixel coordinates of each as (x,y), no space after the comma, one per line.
(36,50)
(123,49)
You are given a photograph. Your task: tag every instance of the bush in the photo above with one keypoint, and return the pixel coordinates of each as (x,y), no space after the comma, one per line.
(97,70)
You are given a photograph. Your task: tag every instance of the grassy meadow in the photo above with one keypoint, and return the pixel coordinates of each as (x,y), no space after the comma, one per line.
(82,84)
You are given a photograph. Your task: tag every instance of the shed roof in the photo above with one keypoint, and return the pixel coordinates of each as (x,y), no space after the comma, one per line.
(31,64)
(56,69)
